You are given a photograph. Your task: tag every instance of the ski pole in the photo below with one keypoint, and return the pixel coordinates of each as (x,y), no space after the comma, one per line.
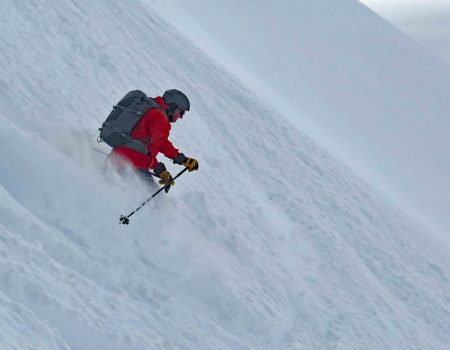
(126,219)
(166,188)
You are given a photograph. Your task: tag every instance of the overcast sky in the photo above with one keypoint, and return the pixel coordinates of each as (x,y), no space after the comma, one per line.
(427,21)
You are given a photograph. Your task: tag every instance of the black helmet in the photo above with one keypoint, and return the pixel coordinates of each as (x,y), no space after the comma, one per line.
(176,97)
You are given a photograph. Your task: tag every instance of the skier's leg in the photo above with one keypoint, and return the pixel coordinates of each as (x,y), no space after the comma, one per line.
(147,178)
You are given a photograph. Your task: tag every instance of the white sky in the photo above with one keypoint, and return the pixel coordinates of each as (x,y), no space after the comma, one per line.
(397,6)
(426,21)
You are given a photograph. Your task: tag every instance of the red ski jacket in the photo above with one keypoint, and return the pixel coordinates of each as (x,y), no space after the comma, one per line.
(153,130)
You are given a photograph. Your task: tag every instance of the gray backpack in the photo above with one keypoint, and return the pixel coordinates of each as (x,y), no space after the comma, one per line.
(117,128)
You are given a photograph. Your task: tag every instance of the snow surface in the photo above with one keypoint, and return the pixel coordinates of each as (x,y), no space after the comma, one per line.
(278,241)
(337,71)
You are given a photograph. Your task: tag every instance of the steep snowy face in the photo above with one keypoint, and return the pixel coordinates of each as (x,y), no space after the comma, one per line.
(428,22)
(353,82)
(272,244)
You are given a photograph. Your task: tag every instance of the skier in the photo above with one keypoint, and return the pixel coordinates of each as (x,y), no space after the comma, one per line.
(153,131)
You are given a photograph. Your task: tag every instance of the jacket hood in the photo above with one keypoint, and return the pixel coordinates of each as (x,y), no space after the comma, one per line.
(159,100)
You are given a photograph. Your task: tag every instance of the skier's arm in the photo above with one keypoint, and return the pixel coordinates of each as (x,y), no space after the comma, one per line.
(159,134)
(168,149)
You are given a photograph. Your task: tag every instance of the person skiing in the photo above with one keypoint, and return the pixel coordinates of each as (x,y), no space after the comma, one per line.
(153,131)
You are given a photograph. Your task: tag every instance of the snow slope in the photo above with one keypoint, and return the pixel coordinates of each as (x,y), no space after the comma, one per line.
(273,244)
(363,90)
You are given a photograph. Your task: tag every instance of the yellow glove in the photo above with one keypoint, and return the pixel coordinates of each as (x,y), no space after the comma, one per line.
(166,178)
(191,164)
